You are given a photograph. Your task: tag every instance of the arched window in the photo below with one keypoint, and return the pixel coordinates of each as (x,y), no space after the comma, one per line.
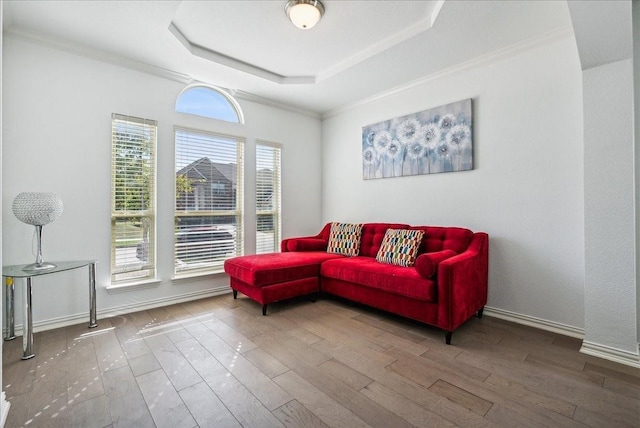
(209,179)
(209,102)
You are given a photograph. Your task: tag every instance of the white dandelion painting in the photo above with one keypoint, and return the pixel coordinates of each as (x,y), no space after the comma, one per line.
(431,141)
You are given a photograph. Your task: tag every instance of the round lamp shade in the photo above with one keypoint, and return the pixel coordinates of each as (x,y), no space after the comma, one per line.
(37,208)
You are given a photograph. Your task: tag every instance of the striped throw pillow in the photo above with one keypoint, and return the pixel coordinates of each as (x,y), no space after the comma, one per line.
(400,247)
(344,239)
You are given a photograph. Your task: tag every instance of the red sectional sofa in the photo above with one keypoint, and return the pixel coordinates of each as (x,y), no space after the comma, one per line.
(445,286)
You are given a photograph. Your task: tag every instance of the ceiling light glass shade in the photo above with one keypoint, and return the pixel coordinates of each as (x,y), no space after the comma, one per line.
(38,209)
(304,13)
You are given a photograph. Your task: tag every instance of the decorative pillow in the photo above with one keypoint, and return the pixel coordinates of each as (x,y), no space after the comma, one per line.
(427,263)
(400,247)
(344,239)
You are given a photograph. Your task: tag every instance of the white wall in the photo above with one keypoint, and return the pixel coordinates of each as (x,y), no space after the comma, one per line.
(57,137)
(610,177)
(526,190)
(610,295)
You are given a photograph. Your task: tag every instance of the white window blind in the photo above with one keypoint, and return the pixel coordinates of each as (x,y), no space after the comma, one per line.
(267,198)
(133,184)
(209,200)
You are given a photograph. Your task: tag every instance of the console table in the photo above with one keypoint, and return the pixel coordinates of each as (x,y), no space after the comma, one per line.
(11,272)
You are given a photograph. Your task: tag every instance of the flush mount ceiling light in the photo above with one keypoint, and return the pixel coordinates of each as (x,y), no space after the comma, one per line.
(304,13)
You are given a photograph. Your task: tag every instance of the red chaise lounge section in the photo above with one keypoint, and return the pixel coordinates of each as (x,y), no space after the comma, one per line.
(268,278)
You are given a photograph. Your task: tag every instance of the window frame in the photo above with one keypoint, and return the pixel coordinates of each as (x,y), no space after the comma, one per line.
(126,275)
(276,205)
(235,106)
(237,212)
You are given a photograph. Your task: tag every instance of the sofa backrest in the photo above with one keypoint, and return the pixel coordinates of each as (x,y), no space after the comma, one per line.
(444,238)
(372,235)
(436,238)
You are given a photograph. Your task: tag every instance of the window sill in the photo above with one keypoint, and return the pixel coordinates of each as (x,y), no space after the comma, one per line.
(132,286)
(194,275)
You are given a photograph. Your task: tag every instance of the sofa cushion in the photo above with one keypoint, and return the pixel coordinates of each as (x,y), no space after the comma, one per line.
(373,234)
(306,244)
(444,238)
(427,263)
(400,247)
(265,269)
(368,272)
(344,239)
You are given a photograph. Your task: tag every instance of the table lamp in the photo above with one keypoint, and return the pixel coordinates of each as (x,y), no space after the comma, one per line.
(38,209)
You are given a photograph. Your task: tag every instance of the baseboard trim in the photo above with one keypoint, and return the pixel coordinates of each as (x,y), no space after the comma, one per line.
(66,321)
(589,348)
(601,351)
(539,323)
(612,354)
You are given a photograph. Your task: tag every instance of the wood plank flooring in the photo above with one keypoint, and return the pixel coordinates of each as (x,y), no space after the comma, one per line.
(219,363)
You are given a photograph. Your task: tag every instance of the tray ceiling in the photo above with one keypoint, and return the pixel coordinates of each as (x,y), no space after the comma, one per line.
(359,48)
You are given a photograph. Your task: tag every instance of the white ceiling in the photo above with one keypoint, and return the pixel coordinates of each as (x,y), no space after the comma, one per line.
(359,48)
(603,31)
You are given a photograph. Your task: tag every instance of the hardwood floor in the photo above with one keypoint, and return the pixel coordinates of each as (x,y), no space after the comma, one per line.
(219,363)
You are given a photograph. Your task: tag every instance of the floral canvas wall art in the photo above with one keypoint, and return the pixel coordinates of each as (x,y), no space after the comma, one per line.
(431,141)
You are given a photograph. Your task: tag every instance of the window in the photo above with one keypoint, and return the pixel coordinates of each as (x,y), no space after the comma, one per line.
(209,201)
(267,198)
(133,178)
(209,102)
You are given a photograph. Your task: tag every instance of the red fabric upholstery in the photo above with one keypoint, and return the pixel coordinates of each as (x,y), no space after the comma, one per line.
(307,244)
(276,292)
(427,263)
(265,269)
(462,283)
(444,238)
(366,271)
(323,235)
(419,310)
(445,288)
(372,236)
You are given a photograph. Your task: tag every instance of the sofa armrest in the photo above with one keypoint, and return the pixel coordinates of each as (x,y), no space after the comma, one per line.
(462,283)
(307,243)
(427,263)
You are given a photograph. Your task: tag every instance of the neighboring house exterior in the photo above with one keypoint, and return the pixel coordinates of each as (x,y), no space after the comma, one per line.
(213,186)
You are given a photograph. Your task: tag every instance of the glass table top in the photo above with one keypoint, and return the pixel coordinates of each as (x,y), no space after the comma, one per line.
(17,272)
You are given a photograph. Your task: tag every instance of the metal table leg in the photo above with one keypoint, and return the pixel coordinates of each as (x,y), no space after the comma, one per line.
(9,316)
(93,319)
(27,324)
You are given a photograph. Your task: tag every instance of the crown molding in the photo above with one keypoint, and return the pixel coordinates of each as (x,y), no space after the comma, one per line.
(236,64)
(99,56)
(498,55)
(247,96)
(118,60)
(149,69)
(383,45)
